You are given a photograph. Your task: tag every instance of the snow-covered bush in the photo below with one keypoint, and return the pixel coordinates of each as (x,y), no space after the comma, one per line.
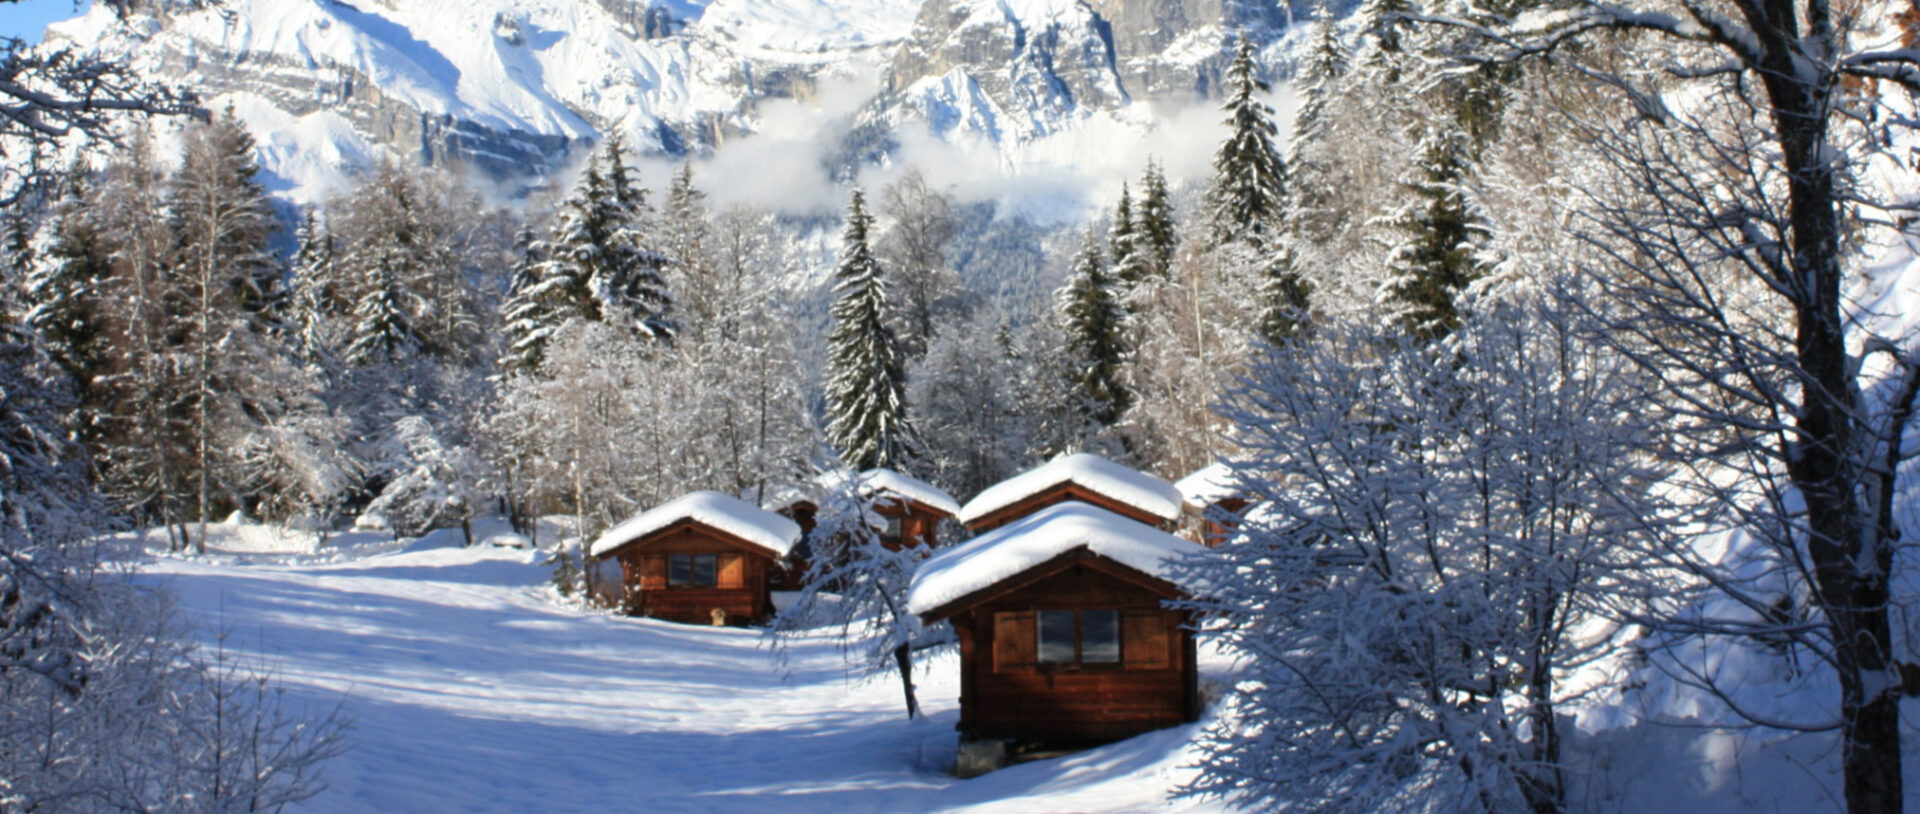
(1444,537)
(857,587)
(436,484)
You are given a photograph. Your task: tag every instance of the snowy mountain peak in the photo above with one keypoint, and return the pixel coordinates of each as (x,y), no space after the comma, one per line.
(513,88)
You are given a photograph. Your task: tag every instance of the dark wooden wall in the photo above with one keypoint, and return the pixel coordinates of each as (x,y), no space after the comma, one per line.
(741,587)
(918,525)
(1006,693)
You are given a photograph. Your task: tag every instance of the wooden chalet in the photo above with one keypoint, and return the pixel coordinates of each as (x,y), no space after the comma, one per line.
(1214,501)
(1081,477)
(704,558)
(803,511)
(911,508)
(1064,635)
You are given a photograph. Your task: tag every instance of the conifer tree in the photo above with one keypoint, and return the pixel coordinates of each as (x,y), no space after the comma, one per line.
(1124,244)
(1249,178)
(598,266)
(1325,63)
(1284,296)
(866,377)
(1093,330)
(1155,231)
(522,313)
(1436,260)
(63,297)
(225,280)
(315,289)
(383,328)
(1386,32)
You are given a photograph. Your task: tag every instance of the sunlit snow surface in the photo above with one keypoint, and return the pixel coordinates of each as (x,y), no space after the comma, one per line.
(470,689)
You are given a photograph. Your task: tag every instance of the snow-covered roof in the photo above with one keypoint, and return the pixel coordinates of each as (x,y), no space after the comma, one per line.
(1018,546)
(714,510)
(911,488)
(1091,472)
(1209,485)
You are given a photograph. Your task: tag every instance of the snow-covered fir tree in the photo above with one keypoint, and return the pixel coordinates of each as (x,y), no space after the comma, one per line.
(523,315)
(598,264)
(1156,232)
(63,292)
(314,294)
(1322,66)
(1126,252)
(1436,258)
(866,376)
(1248,191)
(1093,328)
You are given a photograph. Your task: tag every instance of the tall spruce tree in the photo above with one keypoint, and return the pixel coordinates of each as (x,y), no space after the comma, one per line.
(383,326)
(63,285)
(866,376)
(1156,234)
(1436,259)
(315,290)
(598,265)
(1093,329)
(225,281)
(1324,64)
(1249,188)
(1124,245)
(522,313)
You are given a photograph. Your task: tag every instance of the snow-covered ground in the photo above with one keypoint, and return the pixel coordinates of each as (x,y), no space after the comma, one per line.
(471,689)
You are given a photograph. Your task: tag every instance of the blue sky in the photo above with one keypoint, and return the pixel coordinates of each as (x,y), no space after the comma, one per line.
(28,19)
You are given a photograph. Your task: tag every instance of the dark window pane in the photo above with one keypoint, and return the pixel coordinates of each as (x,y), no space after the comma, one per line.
(704,569)
(1100,636)
(1056,637)
(679,569)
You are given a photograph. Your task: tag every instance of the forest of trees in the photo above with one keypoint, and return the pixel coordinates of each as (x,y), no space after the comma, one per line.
(1497,330)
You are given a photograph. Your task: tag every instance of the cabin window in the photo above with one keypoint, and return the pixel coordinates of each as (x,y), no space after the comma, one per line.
(692,570)
(890,531)
(1079,637)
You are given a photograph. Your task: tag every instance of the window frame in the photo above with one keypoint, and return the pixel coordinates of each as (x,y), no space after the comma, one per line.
(693,570)
(1079,661)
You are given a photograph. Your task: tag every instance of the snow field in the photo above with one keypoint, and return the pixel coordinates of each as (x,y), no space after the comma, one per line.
(470,689)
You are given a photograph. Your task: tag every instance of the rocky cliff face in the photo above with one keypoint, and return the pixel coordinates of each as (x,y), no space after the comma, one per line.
(1021,68)
(516,87)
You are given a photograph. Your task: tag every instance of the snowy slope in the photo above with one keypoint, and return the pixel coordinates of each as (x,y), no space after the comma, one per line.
(471,691)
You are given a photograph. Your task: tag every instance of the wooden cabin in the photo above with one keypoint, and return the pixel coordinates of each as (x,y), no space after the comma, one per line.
(1214,501)
(1081,477)
(1064,635)
(792,571)
(911,508)
(704,558)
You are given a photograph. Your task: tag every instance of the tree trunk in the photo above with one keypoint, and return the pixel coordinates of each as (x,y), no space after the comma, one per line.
(1851,562)
(903,657)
